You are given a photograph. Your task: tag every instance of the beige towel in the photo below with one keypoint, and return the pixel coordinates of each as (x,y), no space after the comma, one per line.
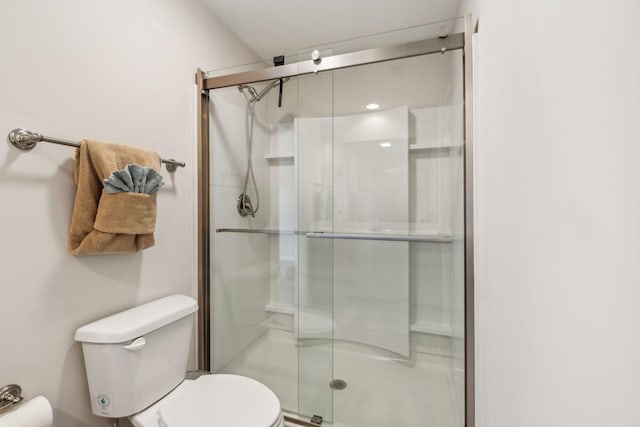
(104,223)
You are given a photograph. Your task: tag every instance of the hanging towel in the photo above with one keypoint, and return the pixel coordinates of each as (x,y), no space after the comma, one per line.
(104,223)
(134,179)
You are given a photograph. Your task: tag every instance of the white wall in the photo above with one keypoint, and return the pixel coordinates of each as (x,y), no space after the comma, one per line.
(558,213)
(116,70)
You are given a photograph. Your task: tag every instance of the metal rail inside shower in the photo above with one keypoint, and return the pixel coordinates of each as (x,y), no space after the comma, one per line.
(387,237)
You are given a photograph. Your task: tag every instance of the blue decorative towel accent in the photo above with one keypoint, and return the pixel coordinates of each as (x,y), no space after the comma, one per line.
(134,179)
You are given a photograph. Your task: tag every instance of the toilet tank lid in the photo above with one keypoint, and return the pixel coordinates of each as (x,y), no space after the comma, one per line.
(137,321)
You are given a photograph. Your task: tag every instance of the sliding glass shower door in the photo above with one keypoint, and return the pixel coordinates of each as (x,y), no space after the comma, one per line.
(337,246)
(381,260)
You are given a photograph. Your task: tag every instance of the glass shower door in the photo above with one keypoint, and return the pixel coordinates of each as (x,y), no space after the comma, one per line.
(381,274)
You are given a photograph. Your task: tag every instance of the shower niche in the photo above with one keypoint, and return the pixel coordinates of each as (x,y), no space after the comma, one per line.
(352,268)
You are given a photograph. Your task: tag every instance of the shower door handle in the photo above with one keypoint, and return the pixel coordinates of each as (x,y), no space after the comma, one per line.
(381,237)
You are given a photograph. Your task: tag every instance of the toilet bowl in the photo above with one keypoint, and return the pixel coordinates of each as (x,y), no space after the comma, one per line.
(136,362)
(214,400)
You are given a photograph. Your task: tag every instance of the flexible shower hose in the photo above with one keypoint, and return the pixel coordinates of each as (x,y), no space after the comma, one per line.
(245,207)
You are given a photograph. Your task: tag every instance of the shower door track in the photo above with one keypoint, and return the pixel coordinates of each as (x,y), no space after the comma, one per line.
(205,83)
(335,62)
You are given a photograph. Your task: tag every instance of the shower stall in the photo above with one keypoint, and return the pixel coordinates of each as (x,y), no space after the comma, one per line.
(335,229)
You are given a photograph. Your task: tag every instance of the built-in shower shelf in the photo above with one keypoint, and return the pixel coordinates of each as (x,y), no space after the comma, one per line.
(280,318)
(279,308)
(454,149)
(431,328)
(270,157)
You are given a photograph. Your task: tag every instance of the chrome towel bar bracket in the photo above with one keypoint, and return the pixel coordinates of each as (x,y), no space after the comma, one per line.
(10,395)
(25,140)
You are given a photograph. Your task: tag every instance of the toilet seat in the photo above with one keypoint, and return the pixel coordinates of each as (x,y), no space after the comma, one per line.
(216,400)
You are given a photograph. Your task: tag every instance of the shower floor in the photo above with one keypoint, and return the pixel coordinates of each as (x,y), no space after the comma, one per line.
(381,391)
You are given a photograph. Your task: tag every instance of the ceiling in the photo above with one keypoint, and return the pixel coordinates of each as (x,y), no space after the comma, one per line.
(282,27)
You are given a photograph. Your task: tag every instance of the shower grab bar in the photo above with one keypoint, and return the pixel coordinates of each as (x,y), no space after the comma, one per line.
(25,140)
(344,236)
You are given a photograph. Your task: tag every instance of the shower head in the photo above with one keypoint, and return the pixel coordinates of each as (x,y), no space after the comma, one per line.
(254,96)
(251,91)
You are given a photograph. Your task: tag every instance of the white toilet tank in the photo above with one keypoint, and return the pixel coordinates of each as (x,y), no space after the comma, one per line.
(135,357)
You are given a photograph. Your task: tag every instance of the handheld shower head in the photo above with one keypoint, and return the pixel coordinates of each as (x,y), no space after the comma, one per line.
(252,92)
(254,95)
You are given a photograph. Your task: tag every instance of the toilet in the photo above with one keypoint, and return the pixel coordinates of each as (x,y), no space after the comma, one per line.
(136,362)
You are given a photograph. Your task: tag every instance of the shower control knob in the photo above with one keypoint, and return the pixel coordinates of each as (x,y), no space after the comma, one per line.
(315,55)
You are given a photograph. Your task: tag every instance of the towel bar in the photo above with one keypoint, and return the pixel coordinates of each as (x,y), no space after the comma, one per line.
(25,140)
